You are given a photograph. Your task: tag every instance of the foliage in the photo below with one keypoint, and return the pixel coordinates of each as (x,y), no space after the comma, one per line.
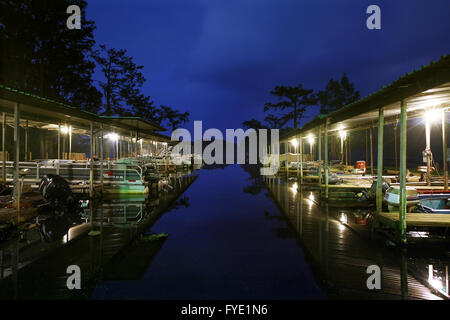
(123,80)
(172,117)
(40,55)
(295,99)
(337,94)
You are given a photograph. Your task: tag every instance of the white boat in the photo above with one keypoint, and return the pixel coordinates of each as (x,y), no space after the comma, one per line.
(392,198)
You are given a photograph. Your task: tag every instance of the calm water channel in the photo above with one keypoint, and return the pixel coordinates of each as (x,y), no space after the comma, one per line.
(231,235)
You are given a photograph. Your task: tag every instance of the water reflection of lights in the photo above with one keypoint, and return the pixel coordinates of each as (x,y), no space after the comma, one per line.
(438,280)
(343,218)
(418,234)
(294,188)
(343,221)
(311,201)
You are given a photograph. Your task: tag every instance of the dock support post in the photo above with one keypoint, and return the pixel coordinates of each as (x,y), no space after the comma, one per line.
(380,161)
(17,159)
(297,151)
(325,142)
(59,141)
(91,171)
(286,147)
(301,159)
(70,143)
(402,208)
(349,149)
(371,149)
(26,141)
(59,148)
(396,144)
(367,147)
(101,156)
(444,148)
(428,148)
(3,148)
(319,153)
(136,144)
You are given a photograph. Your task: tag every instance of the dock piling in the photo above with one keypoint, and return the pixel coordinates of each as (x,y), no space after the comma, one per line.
(444,148)
(371,149)
(91,173)
(3,148)
(428,148)
(17,158)
(379,195)
(319,152)
(325,142)
(301,160)
(101,156)
(402,208)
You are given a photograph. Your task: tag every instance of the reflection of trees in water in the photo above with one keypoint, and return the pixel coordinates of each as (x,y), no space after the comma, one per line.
(283,231)
(256,182)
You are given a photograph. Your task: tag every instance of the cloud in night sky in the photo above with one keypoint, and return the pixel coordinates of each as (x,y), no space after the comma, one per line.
(220,59)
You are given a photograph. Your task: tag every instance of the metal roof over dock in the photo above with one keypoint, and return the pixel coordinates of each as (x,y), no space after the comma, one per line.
(426,88)
(47,114)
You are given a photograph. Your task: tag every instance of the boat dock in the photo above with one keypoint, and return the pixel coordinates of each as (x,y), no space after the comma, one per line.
(118,249)
(340,256)
(94,154)
(423,95)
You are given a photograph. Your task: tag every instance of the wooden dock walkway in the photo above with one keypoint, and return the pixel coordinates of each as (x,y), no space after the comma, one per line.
(416,219)
(339,256)
(107,255)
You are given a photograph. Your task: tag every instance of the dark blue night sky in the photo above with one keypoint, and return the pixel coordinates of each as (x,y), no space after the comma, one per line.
(220,59)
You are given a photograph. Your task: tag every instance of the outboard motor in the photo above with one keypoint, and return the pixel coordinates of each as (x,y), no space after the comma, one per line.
(60,210)
(150,173)
(371,194)
(333,178)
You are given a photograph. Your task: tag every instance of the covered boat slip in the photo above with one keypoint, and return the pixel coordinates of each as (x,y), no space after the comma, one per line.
(424,93)
(119,146)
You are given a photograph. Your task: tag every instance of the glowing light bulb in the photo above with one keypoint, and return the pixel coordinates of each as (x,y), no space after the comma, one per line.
(294,142)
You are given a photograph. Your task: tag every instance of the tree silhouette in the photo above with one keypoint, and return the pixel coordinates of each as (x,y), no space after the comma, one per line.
(295,99)
(275,122)
(173,117)
(123,80)
(337,94)
(142,107)
(40,55)
(253,124)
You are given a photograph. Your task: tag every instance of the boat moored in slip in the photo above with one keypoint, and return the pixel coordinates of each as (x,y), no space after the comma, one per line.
(420,201)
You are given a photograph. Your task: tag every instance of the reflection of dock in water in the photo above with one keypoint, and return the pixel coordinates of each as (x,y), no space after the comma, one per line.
(117,253)
(338,255)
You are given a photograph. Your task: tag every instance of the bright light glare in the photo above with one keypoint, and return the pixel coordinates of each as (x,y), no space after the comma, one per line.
(435,283)
(310,202)
(311,140)
(294,142)
(432,115)
(343,134)
(112,136)
(65,130)
(343,218)
(294,188)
